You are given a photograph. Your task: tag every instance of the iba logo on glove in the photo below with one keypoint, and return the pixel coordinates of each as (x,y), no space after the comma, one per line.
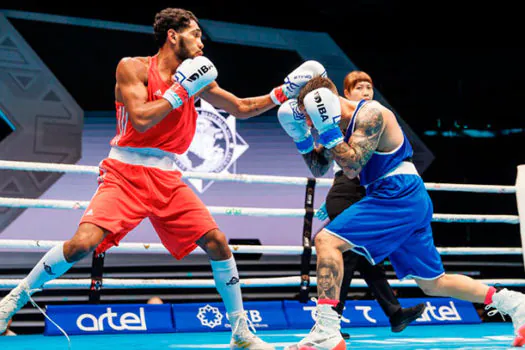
(320,106)
(200,72)
(322,109)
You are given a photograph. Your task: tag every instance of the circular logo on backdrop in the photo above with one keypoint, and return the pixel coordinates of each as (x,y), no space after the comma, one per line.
(213,145)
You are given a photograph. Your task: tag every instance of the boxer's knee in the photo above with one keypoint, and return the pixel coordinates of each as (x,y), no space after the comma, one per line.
(432,287)
(85,240)
(322,240)
(326,240)
(214,243)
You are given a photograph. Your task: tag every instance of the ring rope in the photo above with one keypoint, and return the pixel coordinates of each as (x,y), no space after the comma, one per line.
(156,248)
(244,178)
(118,283)
(244,211)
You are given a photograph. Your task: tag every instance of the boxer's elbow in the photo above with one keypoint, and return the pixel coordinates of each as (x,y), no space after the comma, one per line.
(141,128)
(351,173)
(319,172)
(140,123)
(319,169)
(243,110)
(317,163)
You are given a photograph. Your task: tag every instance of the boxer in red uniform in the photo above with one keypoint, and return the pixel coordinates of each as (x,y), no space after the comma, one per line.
(156,119)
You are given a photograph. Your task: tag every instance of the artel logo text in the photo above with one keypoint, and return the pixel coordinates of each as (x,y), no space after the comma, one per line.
(127,321)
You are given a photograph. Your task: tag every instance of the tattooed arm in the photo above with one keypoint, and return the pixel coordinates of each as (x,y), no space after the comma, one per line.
(318,161)
(369,127)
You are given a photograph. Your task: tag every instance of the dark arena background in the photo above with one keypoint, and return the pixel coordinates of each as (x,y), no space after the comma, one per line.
(453,74)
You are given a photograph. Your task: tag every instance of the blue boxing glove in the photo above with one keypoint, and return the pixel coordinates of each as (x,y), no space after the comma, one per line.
(294,123)
(324,108)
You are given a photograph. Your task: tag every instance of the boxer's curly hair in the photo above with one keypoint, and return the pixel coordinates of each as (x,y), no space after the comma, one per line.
(315,83)
(171,18)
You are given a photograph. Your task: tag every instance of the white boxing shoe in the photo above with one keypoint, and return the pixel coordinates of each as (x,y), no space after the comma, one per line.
(12,302)
(511,303)
(325,334)
(242,337)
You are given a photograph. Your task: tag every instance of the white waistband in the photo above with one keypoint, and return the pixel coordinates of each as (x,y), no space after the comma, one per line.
(145,157)
(403,168)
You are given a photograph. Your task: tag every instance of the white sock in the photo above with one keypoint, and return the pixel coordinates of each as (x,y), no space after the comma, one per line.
(52,265)
(228,285)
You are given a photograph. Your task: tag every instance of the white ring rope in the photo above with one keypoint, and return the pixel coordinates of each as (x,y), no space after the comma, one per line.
(114,283)
(433,186)
(158,248)
(243,211)
(291,281)
(244,178)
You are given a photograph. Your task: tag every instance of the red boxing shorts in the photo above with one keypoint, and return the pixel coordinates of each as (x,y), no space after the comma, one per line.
(129,193)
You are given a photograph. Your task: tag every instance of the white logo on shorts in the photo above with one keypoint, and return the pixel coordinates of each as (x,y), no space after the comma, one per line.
(215,148)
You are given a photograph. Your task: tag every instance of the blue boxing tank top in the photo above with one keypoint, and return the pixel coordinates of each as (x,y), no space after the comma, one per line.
(381,163)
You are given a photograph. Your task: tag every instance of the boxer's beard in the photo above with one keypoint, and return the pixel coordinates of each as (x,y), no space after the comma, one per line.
(183,53)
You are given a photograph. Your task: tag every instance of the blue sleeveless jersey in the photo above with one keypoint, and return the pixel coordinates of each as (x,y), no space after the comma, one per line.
(381,163)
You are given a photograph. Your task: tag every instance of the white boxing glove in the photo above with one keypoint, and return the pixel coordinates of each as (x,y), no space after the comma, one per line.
(191,76)
(324,108)
(294,123)
(296,80)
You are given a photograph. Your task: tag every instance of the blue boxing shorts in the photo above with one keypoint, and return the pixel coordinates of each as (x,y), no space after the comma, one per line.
(393,220)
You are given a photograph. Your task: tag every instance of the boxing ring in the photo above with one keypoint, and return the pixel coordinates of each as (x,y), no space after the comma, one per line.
(478,337)
(482,336)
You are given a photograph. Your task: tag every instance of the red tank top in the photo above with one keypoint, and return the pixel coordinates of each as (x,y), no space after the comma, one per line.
(172,134)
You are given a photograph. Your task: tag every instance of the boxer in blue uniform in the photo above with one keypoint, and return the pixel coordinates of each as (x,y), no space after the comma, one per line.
(358,85)
(392,220)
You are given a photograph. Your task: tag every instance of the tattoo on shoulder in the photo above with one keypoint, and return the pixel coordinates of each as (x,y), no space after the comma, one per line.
(370,121)
(368,130)
(369,127)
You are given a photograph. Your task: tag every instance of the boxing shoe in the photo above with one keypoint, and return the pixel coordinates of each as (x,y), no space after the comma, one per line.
(12,302)
(511,303)
(403,317)
(325,334)
(242,337)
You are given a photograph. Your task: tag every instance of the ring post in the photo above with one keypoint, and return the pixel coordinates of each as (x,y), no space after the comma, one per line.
(520,199)
(306,256)
(97,270)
